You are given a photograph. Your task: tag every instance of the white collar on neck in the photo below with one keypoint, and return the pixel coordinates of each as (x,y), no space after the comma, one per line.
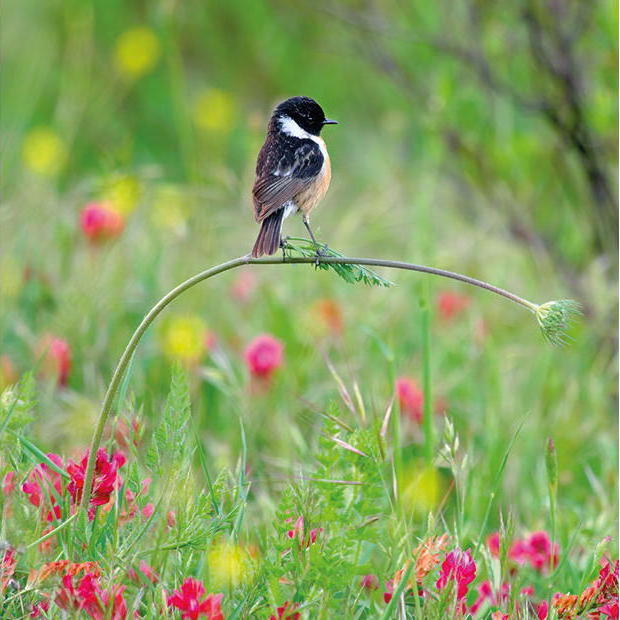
(291,128)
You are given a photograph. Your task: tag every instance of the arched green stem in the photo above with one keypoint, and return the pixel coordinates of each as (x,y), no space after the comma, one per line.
(112,390)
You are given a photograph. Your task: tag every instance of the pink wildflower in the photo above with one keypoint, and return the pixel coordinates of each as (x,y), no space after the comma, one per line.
(263,356)
(450,305)
(8,483)
(535,549)
(56,358)
(7,568)
(493,543)
(410,398)
(298,533)
(370,582)
(148,510)
(43,486)
(243,287)
(187,599)
(459,567)
(99,222)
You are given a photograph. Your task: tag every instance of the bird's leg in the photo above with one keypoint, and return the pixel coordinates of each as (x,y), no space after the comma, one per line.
(283,246)
(319,251)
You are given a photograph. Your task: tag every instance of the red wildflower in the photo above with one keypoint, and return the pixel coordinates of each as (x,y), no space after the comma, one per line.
(56,358)
(91,598)
(263,356)
(542,610)
(370,582)
(450,305)
(7,568)
(8,483)
(40,608)
(128,434)
(298,532)
(171,518)
(536,549)
(410,398)
(486,594)
(97,602)
(187,599)
(288,611)
(44,487)
(99,222)
(493,543)
(459,567)
(146,571)
(105,480)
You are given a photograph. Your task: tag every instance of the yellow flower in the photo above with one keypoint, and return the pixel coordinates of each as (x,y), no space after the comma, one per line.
(214,110)
(170,209)
(228,564)
(43,151)
(137,52)
(122,191)
(184,338)
(420,487)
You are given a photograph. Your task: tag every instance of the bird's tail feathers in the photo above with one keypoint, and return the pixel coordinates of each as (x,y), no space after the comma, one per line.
(268,240)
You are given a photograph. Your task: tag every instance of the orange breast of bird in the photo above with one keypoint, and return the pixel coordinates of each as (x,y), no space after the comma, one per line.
(310,196)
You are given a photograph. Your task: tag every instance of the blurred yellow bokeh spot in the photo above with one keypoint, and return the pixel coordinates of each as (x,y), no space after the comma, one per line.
(122,191)
(184,338)
(214,110)
(420,487)
(170,209)
(229,565)
(137,52)
(43,151)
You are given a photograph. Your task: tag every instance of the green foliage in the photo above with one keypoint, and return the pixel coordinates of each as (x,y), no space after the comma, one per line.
(169,452)
(349,273)
(17,405)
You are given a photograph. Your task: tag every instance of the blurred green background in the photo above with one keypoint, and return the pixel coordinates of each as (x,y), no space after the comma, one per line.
(475,136)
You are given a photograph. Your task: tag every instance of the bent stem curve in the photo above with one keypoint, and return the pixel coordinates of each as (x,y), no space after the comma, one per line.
(121,367)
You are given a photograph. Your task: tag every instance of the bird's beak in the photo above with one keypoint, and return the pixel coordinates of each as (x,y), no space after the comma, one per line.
(329,121)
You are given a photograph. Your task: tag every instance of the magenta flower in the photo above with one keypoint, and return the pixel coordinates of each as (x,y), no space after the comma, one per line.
(105,480)
(537,550)
(99,222)
(263,356)
(410,398)
(493,543)
(91,598)
(44,486)
(187,600)
(460,568)
(370,582)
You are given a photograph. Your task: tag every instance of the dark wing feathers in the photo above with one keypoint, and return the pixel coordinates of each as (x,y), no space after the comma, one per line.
(284,168)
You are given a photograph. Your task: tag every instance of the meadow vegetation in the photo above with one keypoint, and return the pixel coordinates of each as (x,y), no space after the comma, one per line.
(285,444)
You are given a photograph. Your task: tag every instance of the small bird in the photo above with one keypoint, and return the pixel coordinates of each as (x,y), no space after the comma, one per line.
(292,170)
